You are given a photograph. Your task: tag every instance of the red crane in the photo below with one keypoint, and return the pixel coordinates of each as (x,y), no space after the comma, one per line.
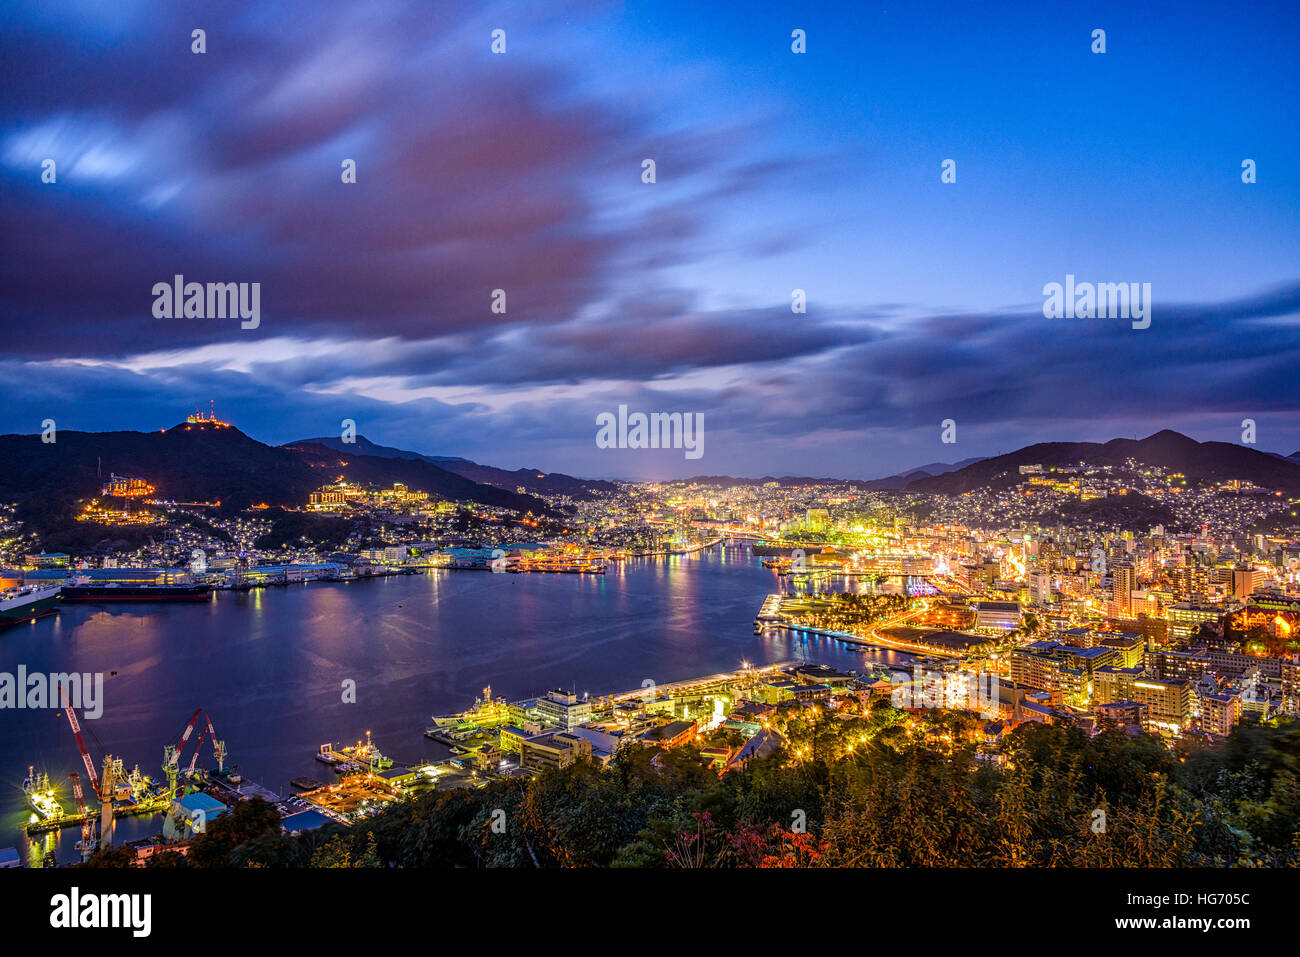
(189,729)
(198,745)
(87,843)
(172,754)
(81,742)
(76,791)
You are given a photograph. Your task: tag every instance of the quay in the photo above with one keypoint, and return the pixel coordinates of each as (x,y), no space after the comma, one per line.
(46,825)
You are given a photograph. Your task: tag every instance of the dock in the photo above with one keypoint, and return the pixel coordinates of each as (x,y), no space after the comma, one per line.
(46,825)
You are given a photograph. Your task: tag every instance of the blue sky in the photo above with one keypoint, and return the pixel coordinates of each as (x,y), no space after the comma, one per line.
(776,171)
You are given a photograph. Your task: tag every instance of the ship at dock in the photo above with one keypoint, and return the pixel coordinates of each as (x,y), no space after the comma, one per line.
(40,795)
(85,590)
(350,760)
(27,603)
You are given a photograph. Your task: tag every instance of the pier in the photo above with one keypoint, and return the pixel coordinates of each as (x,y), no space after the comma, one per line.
(58,823)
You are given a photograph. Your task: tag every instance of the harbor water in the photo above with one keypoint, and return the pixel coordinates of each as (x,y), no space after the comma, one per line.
(272,666)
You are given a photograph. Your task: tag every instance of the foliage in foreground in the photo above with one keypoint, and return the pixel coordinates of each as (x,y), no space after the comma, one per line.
(867,792)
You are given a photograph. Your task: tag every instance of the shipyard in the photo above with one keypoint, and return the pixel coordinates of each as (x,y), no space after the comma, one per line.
(492,739)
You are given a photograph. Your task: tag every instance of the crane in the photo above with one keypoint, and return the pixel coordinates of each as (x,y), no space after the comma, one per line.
(87,843)
(81,742)
(218,747)
(172,752)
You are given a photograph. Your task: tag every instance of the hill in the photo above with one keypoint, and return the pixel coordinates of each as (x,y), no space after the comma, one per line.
(903,479)
(1198,461)
(206,463)
(534,481)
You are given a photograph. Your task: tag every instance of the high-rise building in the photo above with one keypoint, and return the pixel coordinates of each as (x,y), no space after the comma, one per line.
(1244,582)
(1123,584)
(1290,688)
(1219,712)
(1191,582)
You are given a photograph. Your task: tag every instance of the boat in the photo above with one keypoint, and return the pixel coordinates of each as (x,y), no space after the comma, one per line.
(326,755)
(84,590)
(40,795)
(28,602)
(367,755)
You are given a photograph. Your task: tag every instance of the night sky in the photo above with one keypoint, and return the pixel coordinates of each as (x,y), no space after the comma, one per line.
(775,171)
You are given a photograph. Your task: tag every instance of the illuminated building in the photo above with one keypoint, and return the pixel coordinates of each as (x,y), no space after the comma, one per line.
(327,498)
(342,495)
(512,739)
(670,735)
(126,487)
(1219,712)
(1191,582)
(1185,618)
(1128,649)
(997,616)
(1034,666)
(1067,670)
(1153,630)
(1168,700)
(1290,674)
(210,420)
(1121,714)
(557,750)
(564,709)
(399,494)
(1245,581)
(1278,616)
(1124,583)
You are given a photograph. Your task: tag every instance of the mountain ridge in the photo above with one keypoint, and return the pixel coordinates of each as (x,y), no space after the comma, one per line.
(207,463)
(534,481)
(1199,461)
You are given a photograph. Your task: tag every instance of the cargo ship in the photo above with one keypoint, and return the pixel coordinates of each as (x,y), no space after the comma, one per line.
(27,603)
(116,591)
(40,795)
(366,755)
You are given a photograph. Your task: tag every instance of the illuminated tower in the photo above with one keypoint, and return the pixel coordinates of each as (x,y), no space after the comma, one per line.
(1124,581)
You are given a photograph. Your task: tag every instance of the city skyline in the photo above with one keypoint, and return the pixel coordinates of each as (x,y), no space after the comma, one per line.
(522,171)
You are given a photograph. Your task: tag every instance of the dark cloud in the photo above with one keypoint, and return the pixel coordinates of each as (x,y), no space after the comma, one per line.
(476,173)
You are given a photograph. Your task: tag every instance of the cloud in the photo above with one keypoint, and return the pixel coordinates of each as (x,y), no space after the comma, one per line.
(856,395)
(474,173)
(477,172)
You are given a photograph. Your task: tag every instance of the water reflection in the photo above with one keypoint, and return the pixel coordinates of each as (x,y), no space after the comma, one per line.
(269,664)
